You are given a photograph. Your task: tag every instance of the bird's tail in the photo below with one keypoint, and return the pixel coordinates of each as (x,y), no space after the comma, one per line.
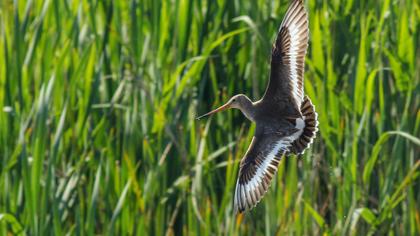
(310,117)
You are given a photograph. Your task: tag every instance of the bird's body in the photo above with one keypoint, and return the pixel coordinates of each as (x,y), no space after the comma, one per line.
(286,121)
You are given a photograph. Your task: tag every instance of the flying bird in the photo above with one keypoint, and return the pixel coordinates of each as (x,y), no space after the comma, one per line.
(286,121)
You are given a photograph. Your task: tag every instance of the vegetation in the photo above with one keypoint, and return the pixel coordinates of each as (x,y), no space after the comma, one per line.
(98,103)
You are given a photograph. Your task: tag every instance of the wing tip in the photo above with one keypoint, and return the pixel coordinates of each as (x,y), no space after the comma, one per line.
(255,195)
(295,10)
(251,189)
(290,47)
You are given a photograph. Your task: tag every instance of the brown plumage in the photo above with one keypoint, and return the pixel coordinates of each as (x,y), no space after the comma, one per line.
(286,121)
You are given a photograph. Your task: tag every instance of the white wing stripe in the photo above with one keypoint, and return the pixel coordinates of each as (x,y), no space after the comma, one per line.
(294,47)
(297,26)
(246,195)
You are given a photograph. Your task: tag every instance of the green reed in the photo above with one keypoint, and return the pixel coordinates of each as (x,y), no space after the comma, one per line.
(99,98)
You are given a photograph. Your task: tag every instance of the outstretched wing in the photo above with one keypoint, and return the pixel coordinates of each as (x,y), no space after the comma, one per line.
(258,168)
(288,57)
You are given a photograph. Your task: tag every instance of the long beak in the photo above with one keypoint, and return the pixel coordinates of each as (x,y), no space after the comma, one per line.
(222,108)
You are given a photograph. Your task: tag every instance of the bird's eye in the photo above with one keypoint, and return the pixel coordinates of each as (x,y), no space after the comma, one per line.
(233,100)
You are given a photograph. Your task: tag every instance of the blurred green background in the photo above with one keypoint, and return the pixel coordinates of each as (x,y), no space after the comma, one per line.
(98,102)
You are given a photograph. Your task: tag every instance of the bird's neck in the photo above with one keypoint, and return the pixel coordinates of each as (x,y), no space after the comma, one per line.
(248,109)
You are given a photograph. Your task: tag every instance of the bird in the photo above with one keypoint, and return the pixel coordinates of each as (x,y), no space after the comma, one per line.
(286,120)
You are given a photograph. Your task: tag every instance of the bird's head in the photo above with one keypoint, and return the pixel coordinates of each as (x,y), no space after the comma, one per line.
(238,101)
